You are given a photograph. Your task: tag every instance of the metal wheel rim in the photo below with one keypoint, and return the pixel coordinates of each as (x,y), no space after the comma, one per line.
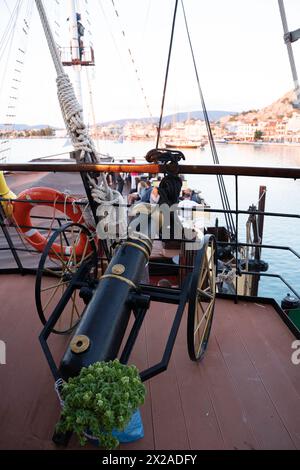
(202,301)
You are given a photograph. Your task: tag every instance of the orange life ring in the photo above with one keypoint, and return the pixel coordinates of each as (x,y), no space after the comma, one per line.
(50,197)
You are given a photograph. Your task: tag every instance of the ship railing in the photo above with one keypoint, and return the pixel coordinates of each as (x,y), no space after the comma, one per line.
(234,171)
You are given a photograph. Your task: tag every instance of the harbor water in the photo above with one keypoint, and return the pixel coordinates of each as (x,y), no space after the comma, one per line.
(283,195)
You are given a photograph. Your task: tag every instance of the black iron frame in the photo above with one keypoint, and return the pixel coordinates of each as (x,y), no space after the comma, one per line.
(143,296)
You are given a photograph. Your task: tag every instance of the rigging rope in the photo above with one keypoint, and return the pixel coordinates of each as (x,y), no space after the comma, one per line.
(222,188)
(133,62)
(57,19)
(17,68)
(7,6)
(7,38)
(110,30)
(9,28)
(88,21)
(72,114)
(166,75)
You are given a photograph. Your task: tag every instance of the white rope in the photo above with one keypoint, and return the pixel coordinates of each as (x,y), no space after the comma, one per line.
(114,223)
(226,276)
(57,386)
(87,214)
(261,196)
(72,114)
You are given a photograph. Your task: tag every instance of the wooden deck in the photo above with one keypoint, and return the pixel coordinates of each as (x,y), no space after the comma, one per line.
(245,394)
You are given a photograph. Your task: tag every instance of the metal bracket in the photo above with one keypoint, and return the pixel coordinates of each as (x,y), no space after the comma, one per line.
(292,36)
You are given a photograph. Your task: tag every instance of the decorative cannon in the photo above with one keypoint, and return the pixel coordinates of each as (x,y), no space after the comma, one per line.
(102,328)
(110,300)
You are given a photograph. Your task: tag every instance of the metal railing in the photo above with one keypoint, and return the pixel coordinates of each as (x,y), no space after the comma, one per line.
(288,173)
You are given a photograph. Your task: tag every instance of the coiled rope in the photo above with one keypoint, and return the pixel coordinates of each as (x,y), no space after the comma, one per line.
(81,140)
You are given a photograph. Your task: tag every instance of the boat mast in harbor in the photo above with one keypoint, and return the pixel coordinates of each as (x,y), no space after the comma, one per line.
(289,37)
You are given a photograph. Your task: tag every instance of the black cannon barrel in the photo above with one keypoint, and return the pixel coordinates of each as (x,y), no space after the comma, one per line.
(101,330)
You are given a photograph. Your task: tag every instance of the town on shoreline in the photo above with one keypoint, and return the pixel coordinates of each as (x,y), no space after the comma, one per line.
(278,123)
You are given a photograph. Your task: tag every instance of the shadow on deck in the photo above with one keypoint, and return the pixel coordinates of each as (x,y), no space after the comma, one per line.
(245,394)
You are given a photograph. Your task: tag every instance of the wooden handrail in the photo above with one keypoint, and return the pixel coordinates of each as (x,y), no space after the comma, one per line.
(276,172)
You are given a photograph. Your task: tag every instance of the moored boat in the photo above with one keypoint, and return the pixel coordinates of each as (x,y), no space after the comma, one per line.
(183,144)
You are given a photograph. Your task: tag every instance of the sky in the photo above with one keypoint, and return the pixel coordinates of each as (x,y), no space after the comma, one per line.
(238,45)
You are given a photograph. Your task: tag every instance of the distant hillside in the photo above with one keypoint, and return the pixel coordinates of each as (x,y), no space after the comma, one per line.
(178,117)
(26,127)
(281,108)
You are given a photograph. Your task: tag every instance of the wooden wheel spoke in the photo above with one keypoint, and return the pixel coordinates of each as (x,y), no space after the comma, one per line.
(83,259)
(53,273)
(204,273)
(212,256)
(58,266)
(201,307)
(205,329)
(197,318)
(74,243)
(83,256)
(200,323)
(54,285)
(64,264)
(204,293)
(52,295)
(204,314)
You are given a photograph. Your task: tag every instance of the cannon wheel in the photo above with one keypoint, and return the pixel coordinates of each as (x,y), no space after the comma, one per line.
(55,273)
(202,299)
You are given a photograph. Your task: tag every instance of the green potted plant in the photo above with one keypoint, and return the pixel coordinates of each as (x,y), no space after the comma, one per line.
(101,401)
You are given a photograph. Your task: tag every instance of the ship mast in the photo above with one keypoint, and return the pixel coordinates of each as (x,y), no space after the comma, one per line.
(77,55)
(75,50)
(289,37)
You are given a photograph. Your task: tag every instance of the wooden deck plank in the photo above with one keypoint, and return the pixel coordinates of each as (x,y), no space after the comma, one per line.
(202,424)
(168,418)
(280,388)
(227,402)
(279,340)
(260,412)
(139,357)
(244,394)
(26,381)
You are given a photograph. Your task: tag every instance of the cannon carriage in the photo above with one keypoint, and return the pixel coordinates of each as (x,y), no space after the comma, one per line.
(100,294)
